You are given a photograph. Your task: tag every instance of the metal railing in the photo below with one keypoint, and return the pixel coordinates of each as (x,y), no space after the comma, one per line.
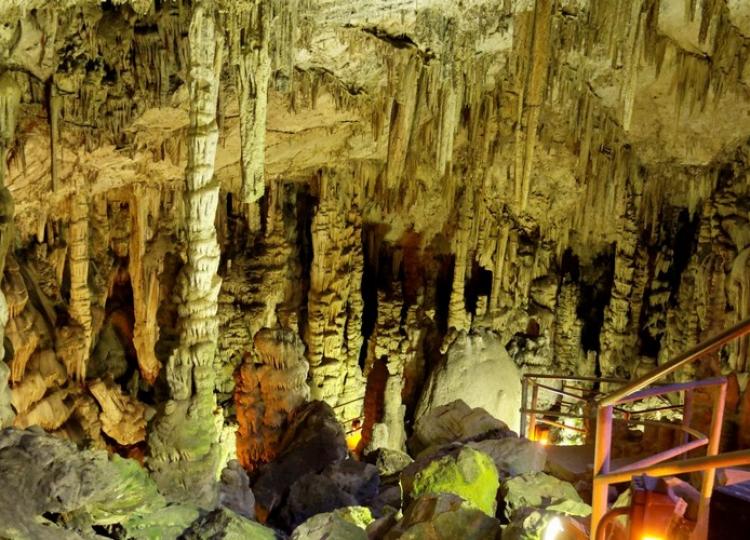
(573,397)
(654,465)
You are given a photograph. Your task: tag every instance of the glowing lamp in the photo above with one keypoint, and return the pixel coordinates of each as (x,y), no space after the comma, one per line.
(564,528)
(352,440)
(554,529)
(541,436)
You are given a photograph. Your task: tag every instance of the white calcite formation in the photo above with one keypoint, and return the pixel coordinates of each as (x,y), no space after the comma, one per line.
(184,443)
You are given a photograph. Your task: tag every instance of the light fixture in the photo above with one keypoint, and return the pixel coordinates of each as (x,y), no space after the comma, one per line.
(554,528)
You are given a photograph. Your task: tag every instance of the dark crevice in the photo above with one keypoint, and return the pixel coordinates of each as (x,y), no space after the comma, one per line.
(443,286)
(596,290)
(479,284)
(306,204)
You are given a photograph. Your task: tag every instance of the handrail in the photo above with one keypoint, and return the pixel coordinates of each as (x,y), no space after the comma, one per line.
(738,330)
(654,465)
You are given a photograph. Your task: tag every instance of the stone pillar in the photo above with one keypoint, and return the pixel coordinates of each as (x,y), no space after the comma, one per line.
(184,442)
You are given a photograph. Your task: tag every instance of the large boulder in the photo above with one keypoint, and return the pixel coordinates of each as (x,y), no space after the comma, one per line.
(314,440)
(454,422)
(513,455)
(533,524)
(444,516)
(342,524)
(223,524)
(478,370)
(464,471)
(540,491)
(342,484)
(51,476)
(388,461)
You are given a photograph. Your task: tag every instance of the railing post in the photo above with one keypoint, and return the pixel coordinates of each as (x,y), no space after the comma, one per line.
(524,406)
(687,417)
(532,416)
(602,452)
(709,475)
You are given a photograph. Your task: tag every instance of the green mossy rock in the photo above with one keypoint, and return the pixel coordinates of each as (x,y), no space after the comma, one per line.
(470,474)
(342,524)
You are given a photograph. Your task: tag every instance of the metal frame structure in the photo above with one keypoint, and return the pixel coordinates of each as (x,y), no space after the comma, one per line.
(654,465)
(607,405)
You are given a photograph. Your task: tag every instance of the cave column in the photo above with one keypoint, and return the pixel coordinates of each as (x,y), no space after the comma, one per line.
(334,299)
(10,97)
(184,442)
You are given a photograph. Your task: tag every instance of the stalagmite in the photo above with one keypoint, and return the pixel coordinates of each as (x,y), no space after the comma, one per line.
(458,318)
(183,445)
(269,388)
(334,285)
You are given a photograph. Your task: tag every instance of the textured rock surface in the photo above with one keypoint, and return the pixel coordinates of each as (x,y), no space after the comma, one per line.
(540,490)
(222,524)
(313,441)
(478,371)
(382,182)
(466,472)
(512,455)
(443,516)
(453,422)
(343,524)
(53,476)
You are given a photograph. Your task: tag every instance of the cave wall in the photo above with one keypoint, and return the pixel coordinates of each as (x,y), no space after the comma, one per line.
(369,184)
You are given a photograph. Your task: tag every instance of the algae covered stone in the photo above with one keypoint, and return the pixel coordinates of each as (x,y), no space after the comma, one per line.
(470,474)
(342,524)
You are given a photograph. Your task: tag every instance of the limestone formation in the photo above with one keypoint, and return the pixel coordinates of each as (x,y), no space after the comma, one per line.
(478,371)
(334,305)
(213,211)
(268,391)
(184,460)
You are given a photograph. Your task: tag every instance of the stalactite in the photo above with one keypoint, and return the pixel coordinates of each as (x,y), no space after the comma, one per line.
(251,40)
(534,94)
(184,439)
(80,294)
(10,97)
(144,269)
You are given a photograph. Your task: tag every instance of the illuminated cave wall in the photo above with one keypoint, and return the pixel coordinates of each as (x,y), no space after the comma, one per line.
(567,177)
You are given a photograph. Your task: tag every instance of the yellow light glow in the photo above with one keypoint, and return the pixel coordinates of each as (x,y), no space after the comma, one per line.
(652,538)
(554,528)
(541,436)
(352,440)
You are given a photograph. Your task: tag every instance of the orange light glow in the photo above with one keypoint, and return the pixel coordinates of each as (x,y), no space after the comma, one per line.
(541,436)
(352,440)
(648,537)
